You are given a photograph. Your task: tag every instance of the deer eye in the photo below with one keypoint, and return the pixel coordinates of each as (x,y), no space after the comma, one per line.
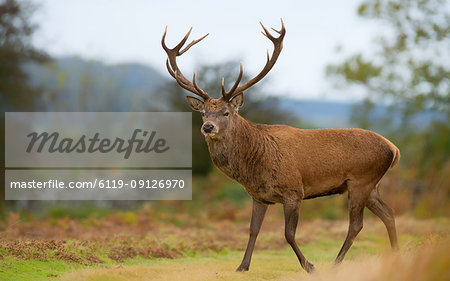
(226,114)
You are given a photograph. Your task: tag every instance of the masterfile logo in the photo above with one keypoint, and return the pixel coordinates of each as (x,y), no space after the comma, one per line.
(54,144)
(98,139)
(98,156)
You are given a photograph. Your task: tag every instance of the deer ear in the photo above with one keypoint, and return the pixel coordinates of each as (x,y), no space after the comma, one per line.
(237,101)
(195,103)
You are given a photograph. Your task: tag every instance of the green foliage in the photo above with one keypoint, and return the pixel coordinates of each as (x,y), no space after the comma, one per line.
(16,49)
(410,62)
(85,210)
(234,193)
(16,32)
(356,69)
(409,68)
(329,208)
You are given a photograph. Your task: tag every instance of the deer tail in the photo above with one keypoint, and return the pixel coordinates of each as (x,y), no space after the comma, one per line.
(396,157)
(395,152)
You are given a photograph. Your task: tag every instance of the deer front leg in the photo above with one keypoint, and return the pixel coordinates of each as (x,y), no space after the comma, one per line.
(291,219)
(258,212)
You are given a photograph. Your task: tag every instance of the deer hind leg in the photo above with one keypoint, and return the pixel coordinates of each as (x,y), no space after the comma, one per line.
(258,212)
(291,219)
(357,197)
(377,206)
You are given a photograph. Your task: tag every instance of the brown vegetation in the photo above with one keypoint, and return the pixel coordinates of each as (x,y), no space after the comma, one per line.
(151,235)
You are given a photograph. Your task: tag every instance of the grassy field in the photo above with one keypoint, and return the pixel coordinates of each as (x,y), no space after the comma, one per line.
(428,261)
(145,244)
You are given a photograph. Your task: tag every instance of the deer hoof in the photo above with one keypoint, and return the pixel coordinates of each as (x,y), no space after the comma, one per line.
(242,268)
(309,267)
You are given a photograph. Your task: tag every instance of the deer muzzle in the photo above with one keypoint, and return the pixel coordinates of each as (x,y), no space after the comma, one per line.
(209,128)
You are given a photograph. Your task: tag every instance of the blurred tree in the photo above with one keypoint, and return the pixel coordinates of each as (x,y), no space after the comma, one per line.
(410,69)
(410,62)
(258,106)
(16,50)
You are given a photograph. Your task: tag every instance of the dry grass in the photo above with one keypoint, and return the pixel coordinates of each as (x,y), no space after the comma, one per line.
(123,236)
(162,246)
(429,260)
(149,235)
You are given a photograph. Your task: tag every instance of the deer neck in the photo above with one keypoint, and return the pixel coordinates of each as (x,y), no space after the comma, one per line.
(244,143)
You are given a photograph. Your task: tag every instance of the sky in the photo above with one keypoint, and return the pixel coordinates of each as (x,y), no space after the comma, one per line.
(116,31)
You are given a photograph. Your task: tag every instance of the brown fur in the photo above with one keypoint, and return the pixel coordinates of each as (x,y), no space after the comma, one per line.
(282,164)
(277,163)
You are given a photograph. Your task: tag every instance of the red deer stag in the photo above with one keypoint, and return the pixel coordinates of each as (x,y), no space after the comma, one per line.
(282,164)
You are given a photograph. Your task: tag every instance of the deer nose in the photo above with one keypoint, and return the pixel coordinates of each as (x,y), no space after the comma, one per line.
(207,128)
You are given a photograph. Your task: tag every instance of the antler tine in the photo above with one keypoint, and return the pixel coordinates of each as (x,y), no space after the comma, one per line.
(179,81)
(281,32)
(180,45)
(277,31)
(266,32)
(174,75)
(282,28)
(192,44)
(172,67)
(197,88)
(271,60)
(163,40)
(197,91)
(224,93)
(227,95)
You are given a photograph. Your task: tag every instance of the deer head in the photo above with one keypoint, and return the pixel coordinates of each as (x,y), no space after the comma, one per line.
(222,113)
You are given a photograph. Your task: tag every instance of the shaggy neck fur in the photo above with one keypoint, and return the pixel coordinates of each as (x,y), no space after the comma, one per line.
(242,152)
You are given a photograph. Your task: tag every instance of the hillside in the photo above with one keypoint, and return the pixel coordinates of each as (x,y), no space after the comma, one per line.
(74,84)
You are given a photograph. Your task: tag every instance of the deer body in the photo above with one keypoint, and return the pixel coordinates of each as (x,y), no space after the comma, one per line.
(278,163)
(282,164)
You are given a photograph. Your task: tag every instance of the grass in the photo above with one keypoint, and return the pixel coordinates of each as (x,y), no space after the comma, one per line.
(280,264)
(145,244)
(266,265)
(428,261)
(17,269)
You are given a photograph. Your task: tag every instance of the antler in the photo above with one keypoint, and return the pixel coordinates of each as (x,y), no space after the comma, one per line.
(278,45)
(171,64)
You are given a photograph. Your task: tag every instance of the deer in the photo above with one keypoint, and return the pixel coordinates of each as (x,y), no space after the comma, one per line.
(286,165)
